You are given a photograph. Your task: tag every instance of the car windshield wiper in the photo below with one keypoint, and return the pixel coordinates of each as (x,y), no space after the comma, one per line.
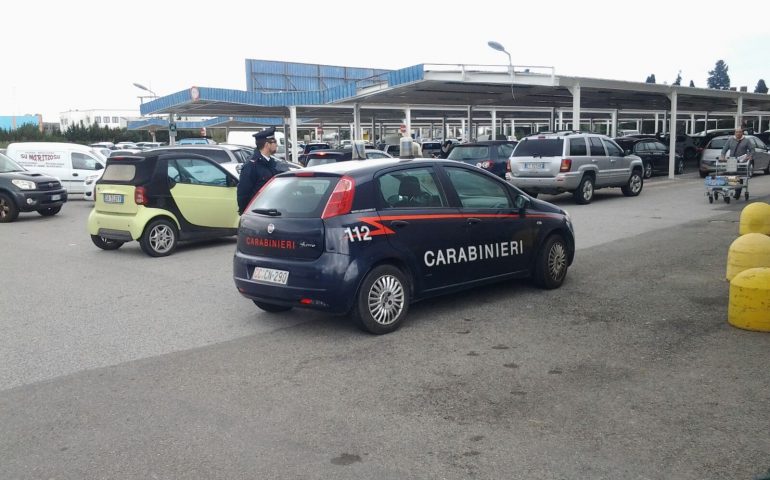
(267,211)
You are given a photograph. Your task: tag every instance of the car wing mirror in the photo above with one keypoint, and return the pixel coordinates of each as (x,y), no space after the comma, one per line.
(521,202)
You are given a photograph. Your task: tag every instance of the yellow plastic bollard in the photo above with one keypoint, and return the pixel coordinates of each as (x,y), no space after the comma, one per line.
(749,306)
(755,218)
(748,251)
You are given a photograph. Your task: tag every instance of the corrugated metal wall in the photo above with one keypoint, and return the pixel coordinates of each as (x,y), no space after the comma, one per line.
(272,76)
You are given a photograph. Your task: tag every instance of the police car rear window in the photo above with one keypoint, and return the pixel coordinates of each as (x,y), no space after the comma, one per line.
(296,197)
(539,147)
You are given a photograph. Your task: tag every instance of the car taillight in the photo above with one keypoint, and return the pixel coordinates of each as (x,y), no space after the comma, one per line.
(140,196)
(341,200)
(566,165)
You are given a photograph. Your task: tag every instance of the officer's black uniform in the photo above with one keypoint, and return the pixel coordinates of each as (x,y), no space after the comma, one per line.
(256,172)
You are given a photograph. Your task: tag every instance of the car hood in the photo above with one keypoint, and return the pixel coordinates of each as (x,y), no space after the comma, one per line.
(32,176)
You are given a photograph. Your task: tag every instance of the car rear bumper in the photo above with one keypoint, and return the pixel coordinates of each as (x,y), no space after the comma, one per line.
(558,184)
(328,283)
(30,201)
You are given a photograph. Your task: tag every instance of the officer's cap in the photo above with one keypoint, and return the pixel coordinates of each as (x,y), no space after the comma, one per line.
(265,135)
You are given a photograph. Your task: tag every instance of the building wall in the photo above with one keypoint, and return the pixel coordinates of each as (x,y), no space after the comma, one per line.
(101,117)
(12,122)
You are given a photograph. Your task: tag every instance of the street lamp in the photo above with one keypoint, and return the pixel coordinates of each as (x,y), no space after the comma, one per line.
(499,48)
(142,97)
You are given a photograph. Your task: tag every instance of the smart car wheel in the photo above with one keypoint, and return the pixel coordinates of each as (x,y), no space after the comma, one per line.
(106,243)
(551,263)
(634,185)
(382,301)
(159,238)
(648,170)
(585,191)
(269,307)
(47,212)
(8,210)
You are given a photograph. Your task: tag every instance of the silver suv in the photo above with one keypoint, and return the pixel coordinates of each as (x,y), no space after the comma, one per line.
(578,163)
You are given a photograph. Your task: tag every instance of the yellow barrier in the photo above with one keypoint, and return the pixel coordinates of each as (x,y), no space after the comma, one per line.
(755,218)
(748,251)
(749,306)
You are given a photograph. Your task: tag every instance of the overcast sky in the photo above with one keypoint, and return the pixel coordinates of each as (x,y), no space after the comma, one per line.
(80,55)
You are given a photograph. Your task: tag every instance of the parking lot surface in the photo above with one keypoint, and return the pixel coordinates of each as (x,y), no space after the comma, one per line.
(117,365)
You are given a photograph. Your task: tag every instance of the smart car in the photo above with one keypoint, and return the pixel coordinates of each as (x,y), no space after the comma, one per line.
(369,238)
(160,199)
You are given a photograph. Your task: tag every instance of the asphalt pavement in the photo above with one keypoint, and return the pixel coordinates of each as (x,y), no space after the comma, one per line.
(117,365)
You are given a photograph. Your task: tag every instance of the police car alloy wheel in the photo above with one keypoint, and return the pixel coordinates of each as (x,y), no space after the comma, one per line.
(551,263)
(382,301)
(159,238)
(105,243)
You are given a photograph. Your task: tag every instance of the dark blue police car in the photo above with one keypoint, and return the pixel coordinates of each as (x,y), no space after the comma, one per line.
(370,237)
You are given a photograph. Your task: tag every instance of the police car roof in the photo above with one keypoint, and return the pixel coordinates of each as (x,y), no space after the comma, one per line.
(358,166)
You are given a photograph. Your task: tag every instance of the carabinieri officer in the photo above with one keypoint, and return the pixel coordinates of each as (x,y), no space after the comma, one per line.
(259,169)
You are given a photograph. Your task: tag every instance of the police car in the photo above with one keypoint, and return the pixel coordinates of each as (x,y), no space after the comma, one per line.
(370,237)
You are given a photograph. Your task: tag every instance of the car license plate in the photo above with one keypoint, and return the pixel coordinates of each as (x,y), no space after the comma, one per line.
(535,165)
(113,198)
(55,197)
(270,275)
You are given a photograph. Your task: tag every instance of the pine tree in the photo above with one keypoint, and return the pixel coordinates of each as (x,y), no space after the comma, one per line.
(692,84)
(650,79)
(678,80)
(718,78)
(761,87)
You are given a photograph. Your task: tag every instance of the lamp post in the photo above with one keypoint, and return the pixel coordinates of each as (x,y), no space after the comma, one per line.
(142,87)
(499,48)
(141,100)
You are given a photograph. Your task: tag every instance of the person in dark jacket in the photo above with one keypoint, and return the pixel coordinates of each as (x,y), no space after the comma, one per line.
(259,169)
(446,147)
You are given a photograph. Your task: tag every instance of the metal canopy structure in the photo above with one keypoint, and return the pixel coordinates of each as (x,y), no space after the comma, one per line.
(441,92)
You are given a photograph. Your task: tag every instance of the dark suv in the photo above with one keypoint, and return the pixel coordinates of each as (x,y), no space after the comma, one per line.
(25,191)
(371,237)
(491,155)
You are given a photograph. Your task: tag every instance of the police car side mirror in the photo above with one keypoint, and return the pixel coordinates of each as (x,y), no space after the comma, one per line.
(521,202)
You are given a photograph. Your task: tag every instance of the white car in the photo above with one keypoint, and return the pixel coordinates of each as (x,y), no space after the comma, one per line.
(89,184)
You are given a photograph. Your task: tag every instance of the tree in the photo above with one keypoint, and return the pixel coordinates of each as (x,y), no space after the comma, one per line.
(650,78)
(761,87)
(678,80)
(718,78)
(692,84)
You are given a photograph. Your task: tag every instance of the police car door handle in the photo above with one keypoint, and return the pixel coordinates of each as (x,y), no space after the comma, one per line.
(473,220)
(399,223)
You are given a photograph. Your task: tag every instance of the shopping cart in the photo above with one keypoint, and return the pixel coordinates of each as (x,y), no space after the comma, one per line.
(728,181)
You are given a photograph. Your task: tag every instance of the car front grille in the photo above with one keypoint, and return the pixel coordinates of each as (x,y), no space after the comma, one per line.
(49,185)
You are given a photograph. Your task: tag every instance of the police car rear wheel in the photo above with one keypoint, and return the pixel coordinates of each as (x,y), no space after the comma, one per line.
(382,301)
(551,266)
(272,308)
(105,243)
(159,238)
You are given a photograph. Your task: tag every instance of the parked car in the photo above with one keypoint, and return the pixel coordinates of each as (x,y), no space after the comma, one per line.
(196,141)
(309,147)
(25,191)
(229,156)
(578,163)
(320,157)
(760,159)
(491,155)
(69,162)
(160,198)
(430,148)
(369,238)
(654,155)
(686,145)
